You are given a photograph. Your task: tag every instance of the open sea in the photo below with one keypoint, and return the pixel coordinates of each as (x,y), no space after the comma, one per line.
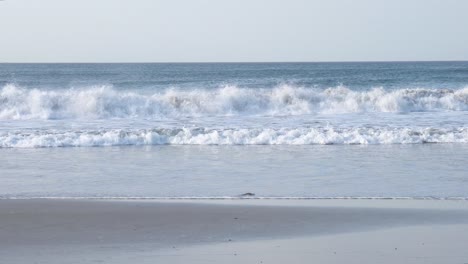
(219,130)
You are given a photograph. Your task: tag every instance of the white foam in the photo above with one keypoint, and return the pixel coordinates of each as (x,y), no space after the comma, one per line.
(202,136)
(105,102)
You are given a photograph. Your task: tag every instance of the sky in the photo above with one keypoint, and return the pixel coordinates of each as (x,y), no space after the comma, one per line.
(232,30)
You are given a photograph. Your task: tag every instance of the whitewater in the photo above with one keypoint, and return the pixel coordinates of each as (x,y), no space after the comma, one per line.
(105,102)
(230,115)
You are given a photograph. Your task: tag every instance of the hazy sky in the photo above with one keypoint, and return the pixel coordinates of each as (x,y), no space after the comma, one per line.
(232,30)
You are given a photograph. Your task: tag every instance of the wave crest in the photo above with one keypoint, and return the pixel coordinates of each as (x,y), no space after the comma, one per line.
(104,102)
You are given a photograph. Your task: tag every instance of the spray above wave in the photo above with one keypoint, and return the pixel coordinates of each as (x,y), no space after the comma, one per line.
(203,136)
(104,102)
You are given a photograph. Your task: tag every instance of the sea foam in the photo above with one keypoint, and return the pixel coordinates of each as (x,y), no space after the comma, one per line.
(104,102)
(202,136)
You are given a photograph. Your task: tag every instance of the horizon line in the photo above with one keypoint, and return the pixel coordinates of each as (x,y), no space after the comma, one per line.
(230,62)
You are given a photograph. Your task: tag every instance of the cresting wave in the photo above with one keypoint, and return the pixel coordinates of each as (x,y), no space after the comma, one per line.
(105,102)
(202,136)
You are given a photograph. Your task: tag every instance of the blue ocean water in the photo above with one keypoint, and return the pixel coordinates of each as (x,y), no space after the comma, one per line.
(221,129)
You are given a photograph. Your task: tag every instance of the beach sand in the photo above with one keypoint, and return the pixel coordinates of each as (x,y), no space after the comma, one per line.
(233,231)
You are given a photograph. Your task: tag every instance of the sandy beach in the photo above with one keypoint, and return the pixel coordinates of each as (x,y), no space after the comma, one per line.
(229,231)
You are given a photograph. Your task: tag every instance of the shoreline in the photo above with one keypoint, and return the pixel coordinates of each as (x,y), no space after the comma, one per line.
(195,199)
(50,230)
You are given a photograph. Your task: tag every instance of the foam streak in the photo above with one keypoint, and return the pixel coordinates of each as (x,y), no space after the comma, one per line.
(202,136)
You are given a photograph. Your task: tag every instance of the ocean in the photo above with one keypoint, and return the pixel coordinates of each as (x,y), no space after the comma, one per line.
(219,130)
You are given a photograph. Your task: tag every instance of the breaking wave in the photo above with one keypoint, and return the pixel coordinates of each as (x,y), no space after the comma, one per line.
(203,136)
(105,102)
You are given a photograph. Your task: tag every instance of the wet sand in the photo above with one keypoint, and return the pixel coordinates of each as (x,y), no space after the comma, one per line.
(252,231)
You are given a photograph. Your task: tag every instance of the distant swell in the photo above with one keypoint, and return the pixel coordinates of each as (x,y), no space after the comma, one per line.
(202,136)
(105,102)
